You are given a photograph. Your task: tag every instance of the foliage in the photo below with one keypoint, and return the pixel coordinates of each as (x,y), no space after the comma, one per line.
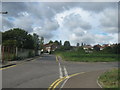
(113,50)
(80,49)
(67,45)
(78,45)
(17,37)
(50,42)
(60,43)
(20,38)
(96,47)
(36,43)
(87,57)
(110,79)
(11,43)
(41,43)
(30,54)
(56,42)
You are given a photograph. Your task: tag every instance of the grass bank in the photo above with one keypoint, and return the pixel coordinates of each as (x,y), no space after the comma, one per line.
(110,79)
(87,57)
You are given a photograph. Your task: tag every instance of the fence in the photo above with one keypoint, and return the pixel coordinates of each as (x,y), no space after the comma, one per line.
(14,53)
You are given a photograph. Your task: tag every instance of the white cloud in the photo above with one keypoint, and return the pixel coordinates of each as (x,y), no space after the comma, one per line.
(109,20)
(24,22)
(50,25)
(46,30)
(76,22)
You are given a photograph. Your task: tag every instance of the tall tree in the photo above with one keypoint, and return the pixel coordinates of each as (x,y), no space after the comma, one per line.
(77,44)
(56,42)
(41,43)
(36,43)
(67,45)
(60,43)
(50,42)
(17,37)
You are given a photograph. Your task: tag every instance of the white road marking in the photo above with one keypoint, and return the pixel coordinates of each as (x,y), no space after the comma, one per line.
(60,71)
(98,82)
(66,74)
(65,71)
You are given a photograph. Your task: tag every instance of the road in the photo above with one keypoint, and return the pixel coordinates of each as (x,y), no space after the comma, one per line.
(43,71)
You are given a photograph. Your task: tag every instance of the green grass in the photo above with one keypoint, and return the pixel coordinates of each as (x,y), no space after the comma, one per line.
(110,79)
(87,57)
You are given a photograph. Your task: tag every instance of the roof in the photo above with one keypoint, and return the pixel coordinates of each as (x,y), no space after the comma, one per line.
(87,46)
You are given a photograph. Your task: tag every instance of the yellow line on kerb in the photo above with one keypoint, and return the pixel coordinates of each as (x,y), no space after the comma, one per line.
(15,65)
(8,67)
(58,81)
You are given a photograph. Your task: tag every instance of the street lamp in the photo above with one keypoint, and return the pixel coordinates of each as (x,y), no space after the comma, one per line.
(3,12)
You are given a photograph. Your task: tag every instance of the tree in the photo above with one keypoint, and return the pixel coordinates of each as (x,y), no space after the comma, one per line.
(56,42)
(29,42)
(97,47)
(67,45)
(60,43)
(108,49)
(10,43)
(116,48)
(82,44)
(50,42)
(77,44)
(17,37)
(41,43)
(81,50)
(36,43)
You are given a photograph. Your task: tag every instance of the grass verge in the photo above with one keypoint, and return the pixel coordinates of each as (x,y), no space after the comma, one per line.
(88,57)
(110,79)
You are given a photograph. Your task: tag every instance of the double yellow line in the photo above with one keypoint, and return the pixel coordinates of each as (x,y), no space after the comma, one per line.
(58,81)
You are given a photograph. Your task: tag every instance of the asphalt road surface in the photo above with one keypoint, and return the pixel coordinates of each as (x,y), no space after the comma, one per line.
(49,72)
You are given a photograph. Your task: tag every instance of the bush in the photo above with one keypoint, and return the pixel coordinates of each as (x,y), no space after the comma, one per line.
(30,54)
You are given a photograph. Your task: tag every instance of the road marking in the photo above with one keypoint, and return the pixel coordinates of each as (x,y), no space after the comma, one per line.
(8,67)
(65,71)
(53,84)
(15,65)
(98,82)
(58,81)
(66,74)
(60,71)
(64,82)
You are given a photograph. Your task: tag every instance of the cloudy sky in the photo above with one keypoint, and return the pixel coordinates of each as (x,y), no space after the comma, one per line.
(78,22)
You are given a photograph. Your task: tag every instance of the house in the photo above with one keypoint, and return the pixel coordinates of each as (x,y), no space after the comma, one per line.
(104,46)
(50,47)
(87,47)
(101,47)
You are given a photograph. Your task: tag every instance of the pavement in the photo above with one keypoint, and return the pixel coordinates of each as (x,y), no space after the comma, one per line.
(85,80)
(50,72)
(10,63)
